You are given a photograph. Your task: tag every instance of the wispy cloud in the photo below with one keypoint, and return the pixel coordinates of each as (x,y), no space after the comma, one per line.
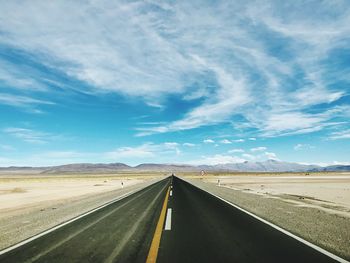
(345,134)
(260,156)
(217,159)
(208,141)
(301,146)
(23,101)
(225,141)
(269,63)
(144,151)
(187,144)
(236,151)
(258,149)
(30,136)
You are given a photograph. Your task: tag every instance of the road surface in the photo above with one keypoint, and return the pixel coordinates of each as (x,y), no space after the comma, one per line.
(207,229)
(194,227)
(120,232)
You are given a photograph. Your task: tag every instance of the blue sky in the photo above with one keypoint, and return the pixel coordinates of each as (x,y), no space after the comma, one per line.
(198,82)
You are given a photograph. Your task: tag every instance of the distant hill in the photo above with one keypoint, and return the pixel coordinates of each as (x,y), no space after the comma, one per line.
(266,166)
(87,168)
(335,168)
(165,167)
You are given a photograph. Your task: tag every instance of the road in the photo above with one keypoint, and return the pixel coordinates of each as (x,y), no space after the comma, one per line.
(207,229)
(197,228)
(120,232)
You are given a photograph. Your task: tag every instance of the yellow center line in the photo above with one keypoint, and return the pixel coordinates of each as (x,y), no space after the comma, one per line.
(153,251)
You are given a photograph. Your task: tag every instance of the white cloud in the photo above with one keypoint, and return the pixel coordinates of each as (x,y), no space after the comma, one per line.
(22,102)
(340,163)
(298,146)
(30,136)
(290,121)
(208,141)
(217,159)
(171,145)
(238,140)
(301,146)
(144,151)
(236,151)
(129,45)
(146,49)
(271,155)
(345,134)
(260,156)
(252,139)
(249,156)
(225,141)
(258,149)
(187,144)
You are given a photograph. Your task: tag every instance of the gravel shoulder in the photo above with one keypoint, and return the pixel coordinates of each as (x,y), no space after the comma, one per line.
(330,231)
(35,218)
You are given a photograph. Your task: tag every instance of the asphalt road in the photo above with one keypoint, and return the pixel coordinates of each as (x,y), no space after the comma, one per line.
(207,229)
(202,228)
(120,232)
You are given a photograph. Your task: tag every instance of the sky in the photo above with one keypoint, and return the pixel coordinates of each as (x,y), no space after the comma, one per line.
(195,82)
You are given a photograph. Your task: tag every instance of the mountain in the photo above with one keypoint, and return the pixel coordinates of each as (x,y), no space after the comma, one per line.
(335,168)
(266,166)
(87,168)
(166,167)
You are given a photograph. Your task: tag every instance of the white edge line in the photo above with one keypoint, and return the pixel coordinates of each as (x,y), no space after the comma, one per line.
(71,220)
(319,249)
(168,220)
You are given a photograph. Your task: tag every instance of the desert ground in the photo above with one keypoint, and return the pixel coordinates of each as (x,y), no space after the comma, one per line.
(327,191)
(32,203)
(315,206)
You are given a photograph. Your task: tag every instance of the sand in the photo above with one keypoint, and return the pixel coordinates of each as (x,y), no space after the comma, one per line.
(330,193)
(28,192)
(32,204)
(315,207)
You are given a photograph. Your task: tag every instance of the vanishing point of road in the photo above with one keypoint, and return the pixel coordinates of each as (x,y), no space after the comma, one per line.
(168,221)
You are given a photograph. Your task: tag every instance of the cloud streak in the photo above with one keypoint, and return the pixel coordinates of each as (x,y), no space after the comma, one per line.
(30,135)
(268,63)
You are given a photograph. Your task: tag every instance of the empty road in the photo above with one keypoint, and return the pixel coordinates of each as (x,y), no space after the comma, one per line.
(170,221)
(120,232)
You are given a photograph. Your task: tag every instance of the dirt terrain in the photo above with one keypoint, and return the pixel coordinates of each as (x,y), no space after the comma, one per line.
(30,204)
(314,206)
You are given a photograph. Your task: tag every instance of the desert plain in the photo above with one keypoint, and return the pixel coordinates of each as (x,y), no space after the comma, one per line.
(314,206)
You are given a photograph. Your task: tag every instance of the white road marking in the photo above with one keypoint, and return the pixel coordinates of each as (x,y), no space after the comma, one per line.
(70,221)
(168,220)
(319,249)
(171,192)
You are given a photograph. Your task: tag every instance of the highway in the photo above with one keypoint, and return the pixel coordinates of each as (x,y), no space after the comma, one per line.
(207,229)
(169,221)
(120,232)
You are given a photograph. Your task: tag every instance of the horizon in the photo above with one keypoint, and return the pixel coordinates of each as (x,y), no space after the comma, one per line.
(182,82)
(181,164)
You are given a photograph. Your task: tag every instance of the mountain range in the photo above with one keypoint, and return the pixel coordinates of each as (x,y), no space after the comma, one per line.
(266,166)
